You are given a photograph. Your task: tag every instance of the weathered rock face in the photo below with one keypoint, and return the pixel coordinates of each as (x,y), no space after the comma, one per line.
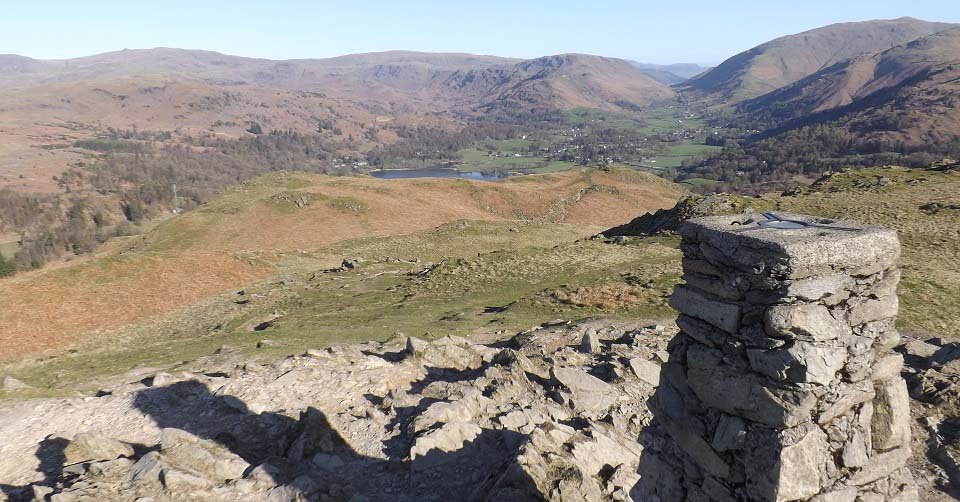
(781,385)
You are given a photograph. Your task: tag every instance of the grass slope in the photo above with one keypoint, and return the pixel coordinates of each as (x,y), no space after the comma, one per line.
(276,224)
(468,276)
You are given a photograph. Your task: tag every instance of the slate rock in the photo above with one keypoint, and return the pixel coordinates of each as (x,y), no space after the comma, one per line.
(648,371)
(891,417)
(590,344)
(725,316)
(588,392)
(146,469)
(807,321)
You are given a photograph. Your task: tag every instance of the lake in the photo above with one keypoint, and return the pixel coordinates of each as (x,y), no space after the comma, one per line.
(437,172)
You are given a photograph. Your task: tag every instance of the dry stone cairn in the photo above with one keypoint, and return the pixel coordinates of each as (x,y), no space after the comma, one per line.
(782,384)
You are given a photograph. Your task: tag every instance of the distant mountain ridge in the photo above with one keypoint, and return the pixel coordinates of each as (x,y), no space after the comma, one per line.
(671,74)
(410,79)
(788,59)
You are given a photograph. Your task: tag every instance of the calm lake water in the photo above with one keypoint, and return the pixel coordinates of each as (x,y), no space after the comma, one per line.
(437,172)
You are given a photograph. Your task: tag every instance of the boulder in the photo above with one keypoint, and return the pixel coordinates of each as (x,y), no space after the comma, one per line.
(184,451)
(442,413)
(448,438)
(515,420)
(109,468)
(10,384)
(921,349)
(593,453)
(181,482)
(93,446)
(327,462)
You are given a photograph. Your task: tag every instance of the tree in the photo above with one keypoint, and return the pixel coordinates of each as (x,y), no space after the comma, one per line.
(99,219)
(255,129)
(7,267)
(134,210)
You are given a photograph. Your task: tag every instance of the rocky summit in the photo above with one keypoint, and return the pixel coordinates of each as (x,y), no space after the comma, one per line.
(540,416)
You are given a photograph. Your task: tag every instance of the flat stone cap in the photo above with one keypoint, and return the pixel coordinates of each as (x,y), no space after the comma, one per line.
(794,246)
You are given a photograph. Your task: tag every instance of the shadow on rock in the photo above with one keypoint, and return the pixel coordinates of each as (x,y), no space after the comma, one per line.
(52,458)
(213,447)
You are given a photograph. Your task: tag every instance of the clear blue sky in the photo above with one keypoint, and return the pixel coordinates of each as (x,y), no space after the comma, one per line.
(650,31)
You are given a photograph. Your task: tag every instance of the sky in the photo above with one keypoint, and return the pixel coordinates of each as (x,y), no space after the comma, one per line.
(693,31)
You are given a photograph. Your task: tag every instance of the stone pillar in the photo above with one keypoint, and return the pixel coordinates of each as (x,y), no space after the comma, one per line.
(781,384)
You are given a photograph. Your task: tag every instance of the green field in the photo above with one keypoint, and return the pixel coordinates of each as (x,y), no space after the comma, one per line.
(652,121)
(666,119)
(477,160)
(680,152)
(696,182)
(594,117)
(514,145)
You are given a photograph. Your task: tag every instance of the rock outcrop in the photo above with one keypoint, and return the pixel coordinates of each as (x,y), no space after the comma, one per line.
(782,385)
(691,206)
(537,418)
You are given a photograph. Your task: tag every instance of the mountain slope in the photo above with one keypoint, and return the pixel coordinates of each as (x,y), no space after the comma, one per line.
(559,82)
(909,92)
(786,60)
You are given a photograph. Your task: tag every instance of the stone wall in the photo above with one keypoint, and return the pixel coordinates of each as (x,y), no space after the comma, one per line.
(782,384)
